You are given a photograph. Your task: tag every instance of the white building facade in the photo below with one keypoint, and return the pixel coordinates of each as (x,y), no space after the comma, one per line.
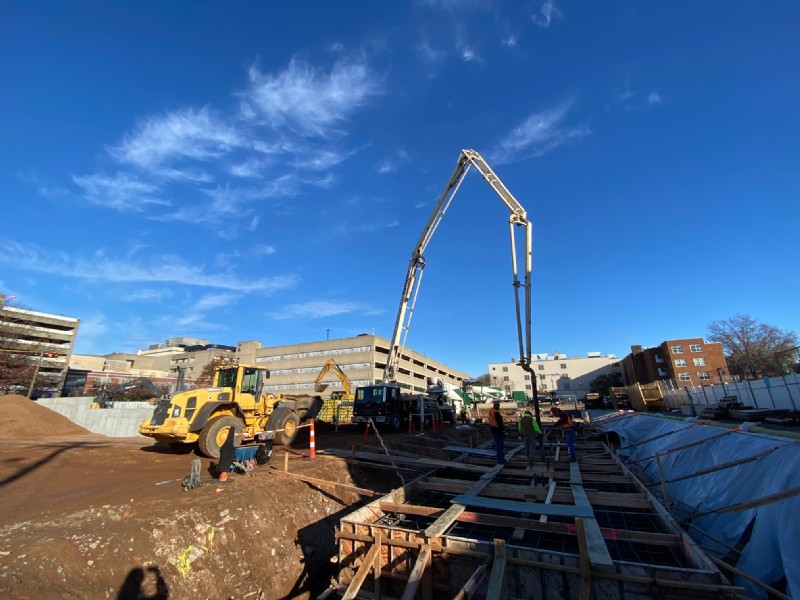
(556,372)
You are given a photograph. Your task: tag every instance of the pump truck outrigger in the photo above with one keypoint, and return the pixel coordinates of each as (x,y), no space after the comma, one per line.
(237,399)
(384,402)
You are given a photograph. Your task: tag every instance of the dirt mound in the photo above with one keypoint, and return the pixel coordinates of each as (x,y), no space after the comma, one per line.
(22,417)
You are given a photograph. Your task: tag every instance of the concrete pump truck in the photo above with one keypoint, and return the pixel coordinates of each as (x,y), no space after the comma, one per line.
(384,402)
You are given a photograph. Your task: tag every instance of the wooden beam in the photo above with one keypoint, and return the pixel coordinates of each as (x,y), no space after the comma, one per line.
(550,493)
(421,566)
(361,574)
(467,591)
(449,517)
(587,590)
(560,510)
(498,580)
(325,483)
(410,509)
(596,548)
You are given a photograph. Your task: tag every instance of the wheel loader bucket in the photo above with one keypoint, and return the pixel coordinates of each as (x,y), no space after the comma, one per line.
(321,387)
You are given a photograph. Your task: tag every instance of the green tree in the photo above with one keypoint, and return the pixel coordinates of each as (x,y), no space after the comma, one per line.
(602,383)
(483,379)
(754,349)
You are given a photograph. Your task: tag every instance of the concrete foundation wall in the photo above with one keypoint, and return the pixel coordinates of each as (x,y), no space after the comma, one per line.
(122,420)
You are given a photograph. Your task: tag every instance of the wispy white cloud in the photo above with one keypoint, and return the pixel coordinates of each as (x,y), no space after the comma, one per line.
(119,191)
(546,14)
(431,57)
(390,164)
(146,295)
(536,135)
(184,134)
(308,100)
(510,41)
(212,301)
(263,250)
(318,309)
(159,269)
(632,100)
(453,5)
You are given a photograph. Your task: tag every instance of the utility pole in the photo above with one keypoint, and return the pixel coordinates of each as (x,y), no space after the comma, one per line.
(328,334)
(35,374)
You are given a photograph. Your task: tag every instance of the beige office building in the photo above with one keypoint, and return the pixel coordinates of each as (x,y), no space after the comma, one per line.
(564,375)
(294,367)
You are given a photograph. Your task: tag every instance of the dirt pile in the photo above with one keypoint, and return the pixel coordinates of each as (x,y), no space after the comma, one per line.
(137,532)
(24,419)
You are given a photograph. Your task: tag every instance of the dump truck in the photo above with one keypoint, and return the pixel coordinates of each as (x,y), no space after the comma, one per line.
(237,399)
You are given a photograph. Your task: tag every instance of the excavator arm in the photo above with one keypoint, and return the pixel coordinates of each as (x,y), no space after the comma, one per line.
(517,219)
(330,365)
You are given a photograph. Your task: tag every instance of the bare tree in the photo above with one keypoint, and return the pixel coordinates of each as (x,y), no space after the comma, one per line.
(19,353)
(754,349)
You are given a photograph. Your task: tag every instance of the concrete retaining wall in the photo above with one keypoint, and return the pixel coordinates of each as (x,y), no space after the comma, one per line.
(122,420)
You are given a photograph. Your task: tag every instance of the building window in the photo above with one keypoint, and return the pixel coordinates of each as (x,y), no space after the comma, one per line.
(659,358)
(685,377)
(527,387)
(703,376)
(541,367)
(695,348)
(527,377)
(505,377)
(563,365)
(699,362)
(676,349)
(680,362)
(544,387)
(662,372)
(505,369)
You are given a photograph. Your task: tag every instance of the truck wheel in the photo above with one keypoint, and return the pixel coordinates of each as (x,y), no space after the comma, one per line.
(215,433)
(288,424)
(394,422)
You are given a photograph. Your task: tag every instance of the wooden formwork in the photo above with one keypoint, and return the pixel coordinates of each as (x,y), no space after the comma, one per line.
(472,529)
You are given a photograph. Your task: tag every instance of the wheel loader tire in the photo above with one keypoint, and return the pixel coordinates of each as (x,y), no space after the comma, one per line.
(288,424)
(215,432)
(180,448)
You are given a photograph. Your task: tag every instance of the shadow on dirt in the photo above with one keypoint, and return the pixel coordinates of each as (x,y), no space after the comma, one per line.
(140,582)
(27,469)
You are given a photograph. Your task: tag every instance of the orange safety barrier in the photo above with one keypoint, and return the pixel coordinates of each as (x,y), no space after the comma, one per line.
(312,451)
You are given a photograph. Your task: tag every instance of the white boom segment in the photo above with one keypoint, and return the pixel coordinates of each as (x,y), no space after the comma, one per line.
(467,159)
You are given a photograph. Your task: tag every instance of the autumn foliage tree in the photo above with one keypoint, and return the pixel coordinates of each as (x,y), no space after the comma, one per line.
(754,349)
(206,376)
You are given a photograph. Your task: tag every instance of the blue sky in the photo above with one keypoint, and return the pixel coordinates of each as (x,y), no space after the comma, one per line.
(262,170)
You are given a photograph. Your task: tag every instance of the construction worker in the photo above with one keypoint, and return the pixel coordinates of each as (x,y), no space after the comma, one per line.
(495,420)
(565,421)
(528,430)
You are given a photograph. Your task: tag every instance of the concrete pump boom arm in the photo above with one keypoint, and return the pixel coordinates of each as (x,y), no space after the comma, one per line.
(467,159)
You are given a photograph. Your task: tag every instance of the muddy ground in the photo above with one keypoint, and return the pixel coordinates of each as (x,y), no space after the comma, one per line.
(86,516)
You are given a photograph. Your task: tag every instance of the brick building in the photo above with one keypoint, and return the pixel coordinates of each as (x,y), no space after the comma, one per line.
(686,362)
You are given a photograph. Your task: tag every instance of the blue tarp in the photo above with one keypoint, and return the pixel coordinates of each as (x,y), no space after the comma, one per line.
(772,550)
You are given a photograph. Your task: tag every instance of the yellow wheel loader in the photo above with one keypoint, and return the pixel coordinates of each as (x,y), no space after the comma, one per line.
(204,416)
